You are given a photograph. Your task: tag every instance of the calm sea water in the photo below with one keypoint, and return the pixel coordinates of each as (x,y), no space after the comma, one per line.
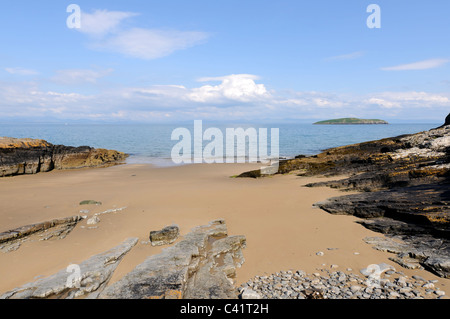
(151,143)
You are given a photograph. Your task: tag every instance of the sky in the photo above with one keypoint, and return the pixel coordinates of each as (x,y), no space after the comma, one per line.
(178,60)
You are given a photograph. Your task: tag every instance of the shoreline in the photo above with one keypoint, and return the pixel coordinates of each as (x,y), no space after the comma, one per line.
(283,231)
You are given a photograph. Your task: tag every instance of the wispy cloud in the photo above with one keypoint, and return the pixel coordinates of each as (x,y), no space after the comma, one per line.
(150,44)
(102,22)
(76,76)
(108,32)
(348,56)
(21,71)
(420,65)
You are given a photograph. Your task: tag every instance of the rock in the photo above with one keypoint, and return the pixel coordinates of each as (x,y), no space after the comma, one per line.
(165,236)
(195,268)
(355,288)
(57,228)
(320,254)
(93,221)
(439,264)
(249,294)
(89,278)
(90,202)
(428,285)
(31,156)
(440,293)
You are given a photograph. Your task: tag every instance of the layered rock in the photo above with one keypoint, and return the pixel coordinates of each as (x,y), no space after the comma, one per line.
(31,156)
(57,228)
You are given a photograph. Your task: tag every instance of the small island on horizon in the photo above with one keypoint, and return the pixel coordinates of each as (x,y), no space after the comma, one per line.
(350,121)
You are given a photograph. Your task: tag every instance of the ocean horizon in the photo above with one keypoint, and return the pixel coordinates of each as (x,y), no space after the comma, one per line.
(152,144)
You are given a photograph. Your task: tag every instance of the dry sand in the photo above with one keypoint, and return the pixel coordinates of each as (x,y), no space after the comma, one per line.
(283,230)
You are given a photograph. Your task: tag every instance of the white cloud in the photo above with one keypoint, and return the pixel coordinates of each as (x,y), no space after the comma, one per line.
(21,71)
(150,44)
(411,99)
(109,33)
(235,87)
(102,22)
(421,65)
(75,76)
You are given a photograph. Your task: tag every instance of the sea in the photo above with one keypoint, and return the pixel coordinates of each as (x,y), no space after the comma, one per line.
(152,143)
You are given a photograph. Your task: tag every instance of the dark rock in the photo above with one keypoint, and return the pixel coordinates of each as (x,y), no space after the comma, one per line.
(90,202)
(165,236)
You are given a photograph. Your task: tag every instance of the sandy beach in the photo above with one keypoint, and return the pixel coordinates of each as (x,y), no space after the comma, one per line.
(283,230)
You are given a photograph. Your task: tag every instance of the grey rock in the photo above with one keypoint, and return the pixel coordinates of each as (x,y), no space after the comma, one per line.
(94,274)
(93,220)
(55,229)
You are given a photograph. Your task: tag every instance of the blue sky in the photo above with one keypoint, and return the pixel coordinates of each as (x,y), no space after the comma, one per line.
(152,61)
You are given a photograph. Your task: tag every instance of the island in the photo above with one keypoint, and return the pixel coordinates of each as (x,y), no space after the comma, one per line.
(350,121)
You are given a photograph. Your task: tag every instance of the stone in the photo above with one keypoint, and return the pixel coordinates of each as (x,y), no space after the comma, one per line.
(90,202)
(93,220)
(320,254)
(249,294)
(166,236)
(355,288)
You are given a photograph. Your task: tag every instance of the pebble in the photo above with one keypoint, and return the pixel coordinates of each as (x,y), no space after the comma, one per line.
(333,284)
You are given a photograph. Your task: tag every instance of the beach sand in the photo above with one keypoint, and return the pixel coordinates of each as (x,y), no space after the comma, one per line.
(283,230)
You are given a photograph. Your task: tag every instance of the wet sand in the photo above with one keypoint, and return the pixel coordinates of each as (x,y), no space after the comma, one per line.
(283,230)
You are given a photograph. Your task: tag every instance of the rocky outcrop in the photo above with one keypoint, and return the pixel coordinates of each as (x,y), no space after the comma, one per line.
(57,228)
(31,156)
(201,266)
(405,190)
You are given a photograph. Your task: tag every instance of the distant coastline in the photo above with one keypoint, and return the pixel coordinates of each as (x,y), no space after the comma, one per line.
(351,121)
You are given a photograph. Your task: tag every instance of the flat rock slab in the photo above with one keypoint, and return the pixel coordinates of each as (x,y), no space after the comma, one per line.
(86,279)
(57,228)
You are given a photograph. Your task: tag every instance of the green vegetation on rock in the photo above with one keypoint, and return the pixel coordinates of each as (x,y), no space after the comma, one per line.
(344,121)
